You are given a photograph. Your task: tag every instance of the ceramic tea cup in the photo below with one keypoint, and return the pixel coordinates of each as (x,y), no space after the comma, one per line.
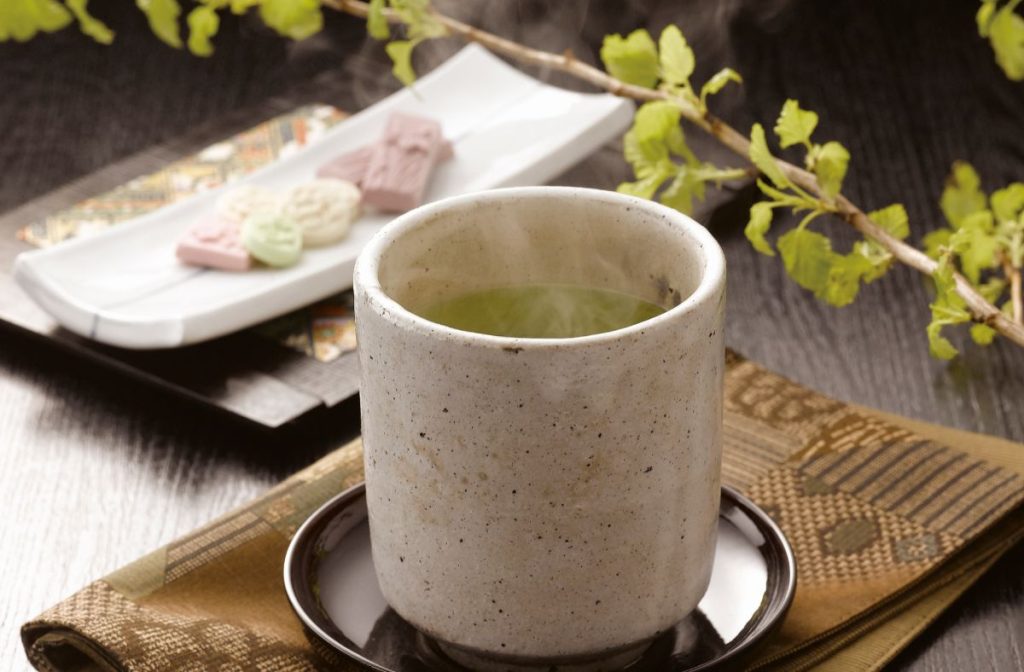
(542,501)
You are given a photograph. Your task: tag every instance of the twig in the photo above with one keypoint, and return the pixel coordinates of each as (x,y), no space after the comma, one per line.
(1013,274)
(1016,298)
(981,310)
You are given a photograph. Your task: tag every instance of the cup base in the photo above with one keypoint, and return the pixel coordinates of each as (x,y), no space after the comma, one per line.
(604,661)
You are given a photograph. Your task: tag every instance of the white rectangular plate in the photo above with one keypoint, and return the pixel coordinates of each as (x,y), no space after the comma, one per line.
(124,286)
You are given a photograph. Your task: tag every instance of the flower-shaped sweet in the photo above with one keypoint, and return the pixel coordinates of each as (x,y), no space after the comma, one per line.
(323,209)
(272,238)
(244,200)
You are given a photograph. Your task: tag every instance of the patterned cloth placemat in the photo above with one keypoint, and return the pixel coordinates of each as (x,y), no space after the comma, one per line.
(889,523)
(324,330)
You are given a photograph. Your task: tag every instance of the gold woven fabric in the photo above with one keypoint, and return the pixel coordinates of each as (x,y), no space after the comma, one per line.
(889,522)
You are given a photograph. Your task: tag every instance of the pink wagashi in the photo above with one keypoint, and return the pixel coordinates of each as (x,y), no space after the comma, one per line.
(352,166)
(214,243)
(402,163)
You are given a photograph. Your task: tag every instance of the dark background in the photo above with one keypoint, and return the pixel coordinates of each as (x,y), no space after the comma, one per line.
(97,468)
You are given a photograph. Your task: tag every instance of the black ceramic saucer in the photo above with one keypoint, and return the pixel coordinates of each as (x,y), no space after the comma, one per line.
(329,576)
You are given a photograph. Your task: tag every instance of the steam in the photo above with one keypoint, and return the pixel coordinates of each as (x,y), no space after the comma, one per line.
(542,311)
(495,250)
(557,26)
(553,265)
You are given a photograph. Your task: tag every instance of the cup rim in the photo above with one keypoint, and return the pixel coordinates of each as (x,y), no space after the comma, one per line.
(366,278)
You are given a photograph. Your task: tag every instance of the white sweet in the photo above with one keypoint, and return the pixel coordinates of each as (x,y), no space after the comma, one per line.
(247,199)
(324,209)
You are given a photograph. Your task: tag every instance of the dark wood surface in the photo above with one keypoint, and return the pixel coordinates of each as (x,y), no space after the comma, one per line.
(97,468)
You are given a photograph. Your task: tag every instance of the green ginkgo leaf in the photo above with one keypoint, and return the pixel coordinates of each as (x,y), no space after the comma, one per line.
(718,82)
(633,59)
(830,167)
(762,157)
(203,23)
(757,227)
(675,56)
(795,126)
(163,19)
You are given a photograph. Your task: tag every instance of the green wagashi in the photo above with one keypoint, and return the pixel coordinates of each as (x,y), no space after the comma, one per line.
(272,238)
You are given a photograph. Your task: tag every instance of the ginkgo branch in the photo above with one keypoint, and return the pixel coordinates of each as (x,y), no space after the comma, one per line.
(1013,275)
(981,310)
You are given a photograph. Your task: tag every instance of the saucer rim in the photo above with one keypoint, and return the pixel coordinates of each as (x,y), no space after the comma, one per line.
(786,572)
(779,599)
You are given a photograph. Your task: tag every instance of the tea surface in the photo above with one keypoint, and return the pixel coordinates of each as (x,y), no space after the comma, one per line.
(542,311)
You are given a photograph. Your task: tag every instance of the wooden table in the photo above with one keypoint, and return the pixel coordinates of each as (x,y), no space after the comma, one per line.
(96,469)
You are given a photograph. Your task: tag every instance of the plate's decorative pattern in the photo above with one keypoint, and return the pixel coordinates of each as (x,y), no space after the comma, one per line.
(211,167)
(324,330)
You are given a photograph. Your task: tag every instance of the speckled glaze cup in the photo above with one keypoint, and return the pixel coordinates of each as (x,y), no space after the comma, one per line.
(539,502)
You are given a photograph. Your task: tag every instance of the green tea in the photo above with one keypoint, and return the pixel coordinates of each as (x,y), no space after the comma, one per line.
(541,311)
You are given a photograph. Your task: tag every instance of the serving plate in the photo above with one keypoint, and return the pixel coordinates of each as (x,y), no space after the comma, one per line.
(125,287)
(332,586)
